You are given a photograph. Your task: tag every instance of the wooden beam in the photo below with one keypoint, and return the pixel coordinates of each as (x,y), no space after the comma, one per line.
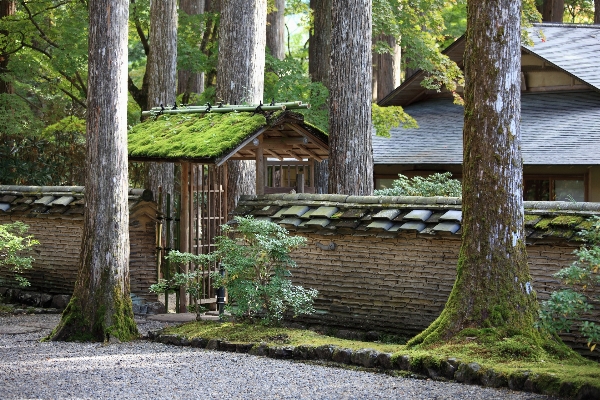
(286,140)
(260,167)
(184,228)
(296,156)
(273,154)
(312,154)
(306,133)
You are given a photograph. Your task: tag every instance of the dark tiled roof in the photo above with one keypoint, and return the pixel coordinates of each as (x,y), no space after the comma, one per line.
(388,216)
(573,48)
(53,200)
(556,129)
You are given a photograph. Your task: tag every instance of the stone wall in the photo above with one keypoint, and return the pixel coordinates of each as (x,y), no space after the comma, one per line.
(399,286)
(58,228)
(388,264)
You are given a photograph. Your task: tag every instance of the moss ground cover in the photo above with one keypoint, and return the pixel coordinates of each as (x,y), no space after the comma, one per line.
(554,365)
(191,135)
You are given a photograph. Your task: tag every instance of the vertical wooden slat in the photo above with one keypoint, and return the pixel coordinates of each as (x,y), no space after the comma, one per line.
(184,227)
(260,167)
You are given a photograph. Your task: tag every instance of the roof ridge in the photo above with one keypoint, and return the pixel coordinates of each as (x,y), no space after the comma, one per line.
(564,25)
(390,201)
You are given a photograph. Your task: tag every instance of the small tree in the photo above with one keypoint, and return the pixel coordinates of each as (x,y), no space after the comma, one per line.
(256,260)
(433,185)
(568,306)
(13,243)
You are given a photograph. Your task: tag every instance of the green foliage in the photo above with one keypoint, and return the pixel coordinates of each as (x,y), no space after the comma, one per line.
(386,118)
(13,243)
(288,80)
(256,266)
(433,185)
(579,11)
(255,256)
(420,29)
(56,156)
(567,307)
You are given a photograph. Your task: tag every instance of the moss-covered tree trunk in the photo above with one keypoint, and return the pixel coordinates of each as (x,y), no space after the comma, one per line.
(7,8)
(101,308)
(350,96)
(240,76)
(493,285)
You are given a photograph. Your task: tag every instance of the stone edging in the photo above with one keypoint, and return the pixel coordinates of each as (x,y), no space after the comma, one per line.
(451,369)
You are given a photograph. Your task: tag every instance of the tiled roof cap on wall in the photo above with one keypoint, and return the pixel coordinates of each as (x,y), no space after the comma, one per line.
(387,216)
(54,200)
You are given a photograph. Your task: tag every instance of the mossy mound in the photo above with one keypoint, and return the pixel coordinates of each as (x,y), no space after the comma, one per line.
(192,136)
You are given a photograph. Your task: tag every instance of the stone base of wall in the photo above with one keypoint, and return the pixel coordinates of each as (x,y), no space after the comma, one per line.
(60,301)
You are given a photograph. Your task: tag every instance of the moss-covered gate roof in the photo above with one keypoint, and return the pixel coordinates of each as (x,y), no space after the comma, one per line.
(214,138)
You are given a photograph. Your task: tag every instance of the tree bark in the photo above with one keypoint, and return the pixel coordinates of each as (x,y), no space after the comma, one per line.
(350,130)
(240,76)
(101,308)
(7,8)
(386,68)
(553,10)
(596,11)
(276,30)
(187,81)
(319,53)
(161,71)
(319,42)
(493,285)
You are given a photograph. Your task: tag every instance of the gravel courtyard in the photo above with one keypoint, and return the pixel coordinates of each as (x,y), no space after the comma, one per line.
(146,370)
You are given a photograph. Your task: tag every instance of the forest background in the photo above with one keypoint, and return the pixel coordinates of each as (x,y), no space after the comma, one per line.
(43,69)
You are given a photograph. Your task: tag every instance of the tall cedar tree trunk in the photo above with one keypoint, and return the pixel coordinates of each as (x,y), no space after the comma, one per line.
(596,11)
(7,8)
(276,30)
(350,130)
(162,72)
(101,308)
(553,10)
(492,287)
(319,52)
(190,82)
(386,68)
(240,76)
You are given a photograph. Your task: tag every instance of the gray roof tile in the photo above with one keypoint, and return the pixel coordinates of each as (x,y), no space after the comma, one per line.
(452,215)
(451,227)
(387,214)
(381,225)
(418,215)
(413,226)
(326,212)
(556,129)
(295,211)
(573,48)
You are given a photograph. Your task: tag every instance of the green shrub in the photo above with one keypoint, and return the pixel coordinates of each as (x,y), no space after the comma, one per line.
(433,185)
(13,243)
(566,307)
(255,257)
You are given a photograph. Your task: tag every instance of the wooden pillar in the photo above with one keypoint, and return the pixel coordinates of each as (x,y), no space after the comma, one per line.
(184,228)
(260,167)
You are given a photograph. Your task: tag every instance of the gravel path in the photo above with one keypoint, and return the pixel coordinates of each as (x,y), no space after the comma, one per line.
(146,370)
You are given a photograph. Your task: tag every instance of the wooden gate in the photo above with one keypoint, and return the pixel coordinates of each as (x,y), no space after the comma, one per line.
(206,212)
